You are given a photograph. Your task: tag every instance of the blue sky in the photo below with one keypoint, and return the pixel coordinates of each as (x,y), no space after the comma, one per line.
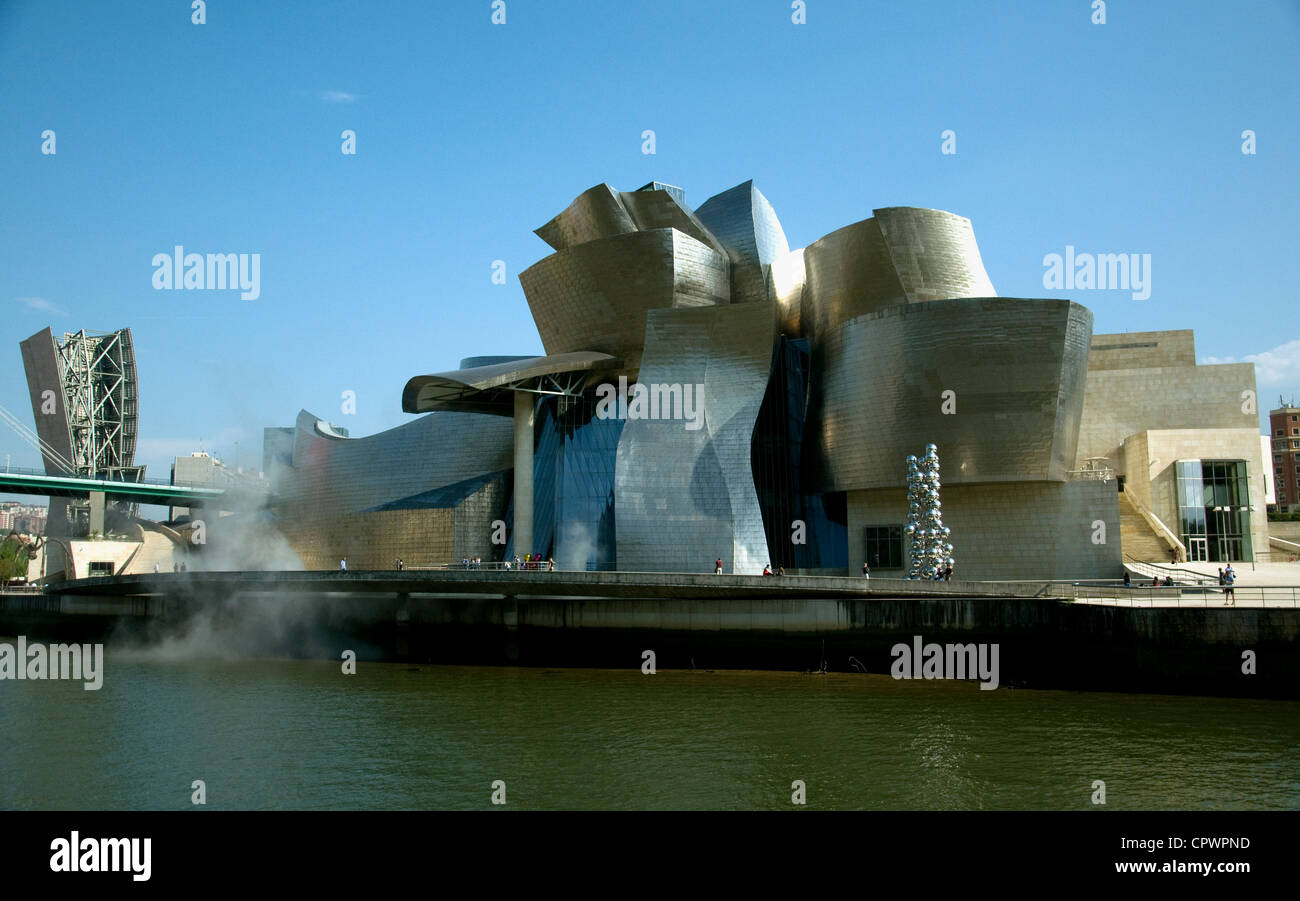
(225,137)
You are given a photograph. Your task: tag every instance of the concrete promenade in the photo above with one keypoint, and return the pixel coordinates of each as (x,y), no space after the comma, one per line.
(669,586)
(1051,635)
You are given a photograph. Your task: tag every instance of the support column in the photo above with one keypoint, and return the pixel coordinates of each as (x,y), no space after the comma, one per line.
(523,527)
(97,512)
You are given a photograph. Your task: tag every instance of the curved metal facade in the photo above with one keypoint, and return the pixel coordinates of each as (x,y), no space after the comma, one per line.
(595,296)
(901,255)
(684,497)
(338,475)
(746,225)
(934,253)
(595,213)
(1017,370)
(849,273)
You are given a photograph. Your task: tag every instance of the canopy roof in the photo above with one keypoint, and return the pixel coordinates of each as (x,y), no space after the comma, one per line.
(491,389)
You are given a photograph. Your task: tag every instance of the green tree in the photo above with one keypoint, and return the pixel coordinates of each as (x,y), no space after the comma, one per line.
(13,558)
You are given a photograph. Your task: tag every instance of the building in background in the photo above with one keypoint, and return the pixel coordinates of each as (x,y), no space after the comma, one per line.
(1284,429)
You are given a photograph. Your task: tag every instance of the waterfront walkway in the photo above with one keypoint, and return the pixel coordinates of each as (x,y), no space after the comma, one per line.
(665,586)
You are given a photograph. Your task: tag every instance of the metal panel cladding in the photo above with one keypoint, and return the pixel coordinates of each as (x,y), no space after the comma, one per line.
(332,475)
(684,497)
(595,213)
(934,253)
(594,296)
(996,383)
(746,224)
(848,273)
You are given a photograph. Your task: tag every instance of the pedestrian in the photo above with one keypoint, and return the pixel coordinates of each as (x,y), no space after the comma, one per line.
(1223,584)
(517,561)
(767,570)
(550,562)
(717,567)
(1230,579)
(399,564)
(866,572)
(947,573)
(184,568)
(343,563)
(1128,583)
(780,570)
(155,567)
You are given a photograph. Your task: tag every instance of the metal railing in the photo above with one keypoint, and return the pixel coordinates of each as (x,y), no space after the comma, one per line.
(1206,595)
(494,565)
(1105,474)
(1157,570)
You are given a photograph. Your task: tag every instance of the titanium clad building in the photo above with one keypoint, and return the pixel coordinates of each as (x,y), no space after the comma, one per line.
(707,393)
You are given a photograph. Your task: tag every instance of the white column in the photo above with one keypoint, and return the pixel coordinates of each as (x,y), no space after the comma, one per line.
(524,415)
(97,512)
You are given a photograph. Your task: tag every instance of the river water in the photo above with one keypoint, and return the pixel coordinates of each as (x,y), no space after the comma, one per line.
(302,735)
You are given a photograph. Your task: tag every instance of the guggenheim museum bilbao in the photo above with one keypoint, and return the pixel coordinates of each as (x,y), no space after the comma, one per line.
(709,393)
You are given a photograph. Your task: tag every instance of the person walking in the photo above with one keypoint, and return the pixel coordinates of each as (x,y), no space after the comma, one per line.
(1128,583)
(343,563)
(1230,579)
(866,571)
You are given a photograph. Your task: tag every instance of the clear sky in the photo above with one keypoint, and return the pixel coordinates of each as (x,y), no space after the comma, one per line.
(226,137)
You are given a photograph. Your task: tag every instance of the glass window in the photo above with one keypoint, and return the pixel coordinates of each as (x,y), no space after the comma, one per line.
(1280,432)
(884,547)
(1214,507)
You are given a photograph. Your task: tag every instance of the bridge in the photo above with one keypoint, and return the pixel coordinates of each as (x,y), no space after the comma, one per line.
(15,480)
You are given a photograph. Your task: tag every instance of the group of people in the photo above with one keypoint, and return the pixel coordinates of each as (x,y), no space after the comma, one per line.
(1227,581)
(767,570)
(533,561)
(1155,582)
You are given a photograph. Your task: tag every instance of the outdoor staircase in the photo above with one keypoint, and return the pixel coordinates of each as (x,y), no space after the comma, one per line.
(1138,539)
